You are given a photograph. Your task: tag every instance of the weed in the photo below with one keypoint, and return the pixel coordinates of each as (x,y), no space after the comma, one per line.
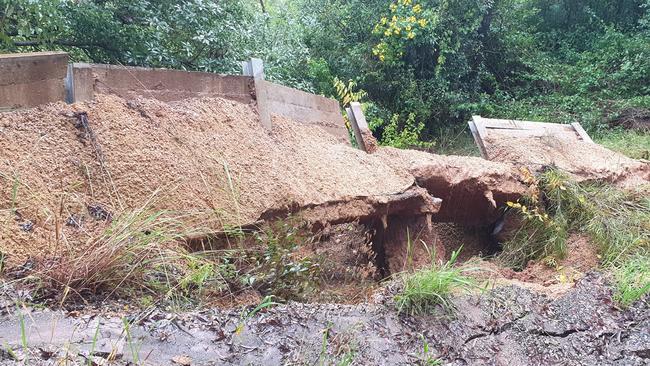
(425,289)
(343,353)
(93,345)
(618,222)
(632,279)
(10,352)
(23,336)
(427,359)
(133,347)
(266,302)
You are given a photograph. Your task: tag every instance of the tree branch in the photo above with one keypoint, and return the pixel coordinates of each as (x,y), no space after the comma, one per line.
(63,43)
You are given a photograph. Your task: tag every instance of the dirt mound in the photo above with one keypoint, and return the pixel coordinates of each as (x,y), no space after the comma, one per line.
(633,118)
(583,160)
(472,189)
(67,171)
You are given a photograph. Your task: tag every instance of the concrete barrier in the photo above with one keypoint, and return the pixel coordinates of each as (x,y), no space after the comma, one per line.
(31,79)
(302,107)
(86,80)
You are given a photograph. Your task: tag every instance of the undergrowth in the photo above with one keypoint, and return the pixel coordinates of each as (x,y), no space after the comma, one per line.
(143,254)
(617,221)
(634,144)
(424,290)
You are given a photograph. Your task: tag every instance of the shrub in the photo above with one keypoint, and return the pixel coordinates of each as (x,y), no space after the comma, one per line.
(616,221)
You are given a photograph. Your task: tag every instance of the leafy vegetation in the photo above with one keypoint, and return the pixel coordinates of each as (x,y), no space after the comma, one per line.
(419,66)
(616,221)
(427,288)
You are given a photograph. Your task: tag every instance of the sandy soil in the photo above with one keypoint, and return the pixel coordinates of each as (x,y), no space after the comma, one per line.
(584,161)
(63,181)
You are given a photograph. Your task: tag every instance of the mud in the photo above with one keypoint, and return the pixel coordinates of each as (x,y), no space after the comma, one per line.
(505,326)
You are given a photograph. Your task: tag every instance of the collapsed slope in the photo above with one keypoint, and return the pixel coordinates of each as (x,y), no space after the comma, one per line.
(67,172)
(65,177)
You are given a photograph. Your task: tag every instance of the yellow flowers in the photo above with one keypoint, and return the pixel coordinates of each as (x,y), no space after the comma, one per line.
(403,23)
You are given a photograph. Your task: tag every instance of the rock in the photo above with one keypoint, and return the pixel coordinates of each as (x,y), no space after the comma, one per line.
(182,360)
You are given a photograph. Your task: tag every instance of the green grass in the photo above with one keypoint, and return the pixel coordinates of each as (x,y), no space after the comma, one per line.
(455,141)
(628,142)
(617,222)
(632,278)
(424,290)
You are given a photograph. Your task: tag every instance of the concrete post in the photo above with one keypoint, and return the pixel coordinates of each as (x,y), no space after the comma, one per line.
(255,68)
(355,129)
(69,85)
(362,132)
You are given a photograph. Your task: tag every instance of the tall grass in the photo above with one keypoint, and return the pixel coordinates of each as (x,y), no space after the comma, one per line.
(426,289)
(143,253)
(617,221)
(119,258)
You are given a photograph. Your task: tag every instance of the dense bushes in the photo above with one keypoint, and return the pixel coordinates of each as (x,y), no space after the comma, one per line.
(430,63)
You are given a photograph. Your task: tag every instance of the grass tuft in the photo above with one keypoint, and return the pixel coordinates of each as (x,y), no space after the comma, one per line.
(426,289)
(632,279)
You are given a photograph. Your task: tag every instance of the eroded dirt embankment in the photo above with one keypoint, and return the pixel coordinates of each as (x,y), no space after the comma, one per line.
(583,161)
(506,326)
(68,171)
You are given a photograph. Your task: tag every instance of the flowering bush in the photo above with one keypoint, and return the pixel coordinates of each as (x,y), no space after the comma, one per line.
(407,20)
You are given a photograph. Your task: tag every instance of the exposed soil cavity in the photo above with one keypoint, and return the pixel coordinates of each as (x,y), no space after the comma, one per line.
(407,243)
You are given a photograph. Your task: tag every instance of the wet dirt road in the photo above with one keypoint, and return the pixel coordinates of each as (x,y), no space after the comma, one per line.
(505,326)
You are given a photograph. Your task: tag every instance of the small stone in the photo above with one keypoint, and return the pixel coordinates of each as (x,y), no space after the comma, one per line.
(182,360)
(27,226)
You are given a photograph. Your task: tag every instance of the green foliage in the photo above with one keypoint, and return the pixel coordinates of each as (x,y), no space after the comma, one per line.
(345,92)
(425,289)
(407,136)
(279,271)
(191,35)
(616,221)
